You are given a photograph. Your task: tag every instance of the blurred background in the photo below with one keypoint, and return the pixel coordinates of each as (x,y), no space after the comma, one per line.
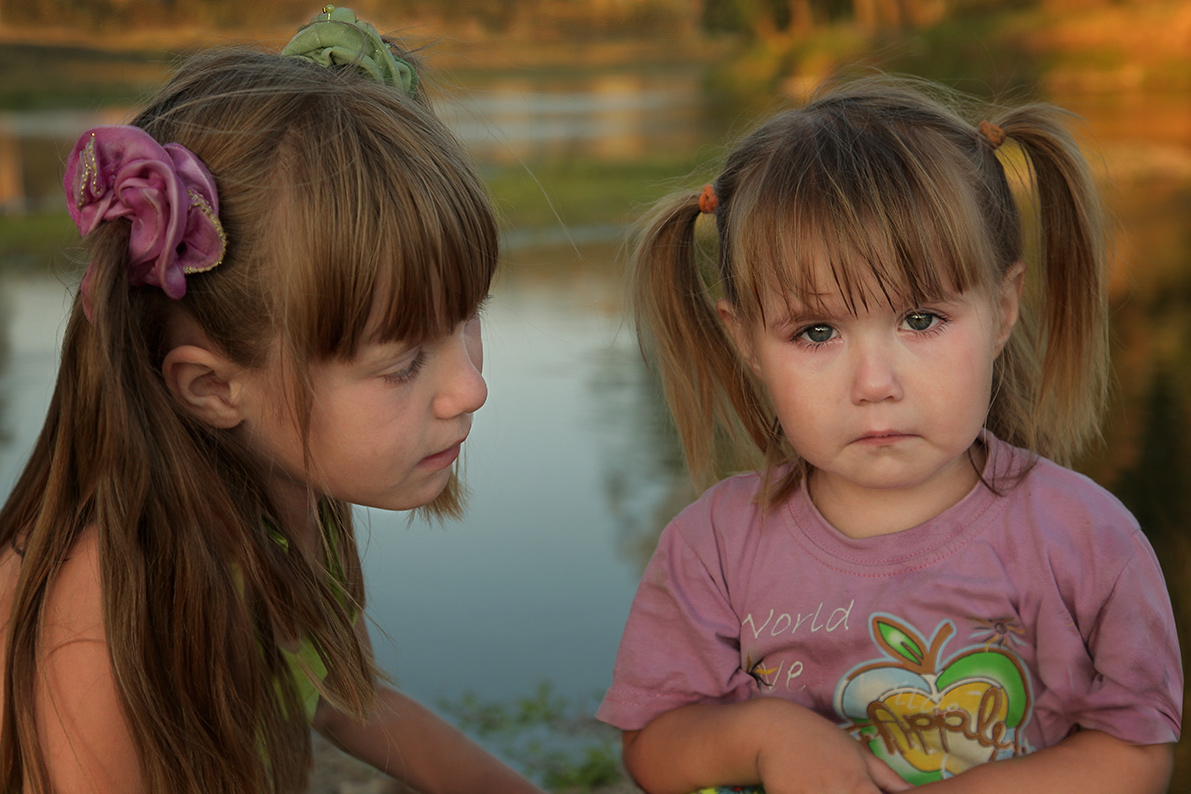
(580,113)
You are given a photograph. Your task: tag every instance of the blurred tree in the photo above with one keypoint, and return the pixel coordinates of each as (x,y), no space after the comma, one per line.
(762,18)
(111,14)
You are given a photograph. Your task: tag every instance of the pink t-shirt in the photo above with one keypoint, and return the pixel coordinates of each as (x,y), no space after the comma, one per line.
(990,631)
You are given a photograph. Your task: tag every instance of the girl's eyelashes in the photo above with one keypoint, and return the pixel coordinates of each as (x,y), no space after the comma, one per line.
(815,334)
(408,372)
(411,370)
(918,321)
(922,320)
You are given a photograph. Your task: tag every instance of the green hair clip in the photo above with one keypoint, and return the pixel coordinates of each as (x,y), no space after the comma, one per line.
(336,37)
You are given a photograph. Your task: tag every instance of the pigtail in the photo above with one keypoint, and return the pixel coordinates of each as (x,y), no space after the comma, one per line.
(1069,329)
(708,386)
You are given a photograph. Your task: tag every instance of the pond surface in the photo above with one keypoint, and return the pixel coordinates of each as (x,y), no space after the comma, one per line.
(572,467)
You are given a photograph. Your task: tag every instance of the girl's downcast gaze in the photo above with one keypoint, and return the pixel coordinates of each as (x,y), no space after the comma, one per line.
(909,589)
(287,254)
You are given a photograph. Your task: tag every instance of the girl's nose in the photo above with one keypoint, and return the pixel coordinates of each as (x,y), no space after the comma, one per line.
(463,389)
(874,374)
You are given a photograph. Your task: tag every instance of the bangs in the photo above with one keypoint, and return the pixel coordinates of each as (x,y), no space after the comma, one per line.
(860,213)
(437,252)
(387,199)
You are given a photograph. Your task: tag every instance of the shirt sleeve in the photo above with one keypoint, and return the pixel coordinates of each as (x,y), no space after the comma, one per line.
(1135,691)
(682,641)
(84,736)
(1107,650)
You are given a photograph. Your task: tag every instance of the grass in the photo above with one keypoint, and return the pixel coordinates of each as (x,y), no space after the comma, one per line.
(585,192)
(39,241)
(552,738)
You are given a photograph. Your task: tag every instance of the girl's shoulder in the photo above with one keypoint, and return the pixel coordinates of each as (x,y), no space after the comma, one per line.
(86,741)
(1058,493)
(1051,489)
(721,521)
(73,609)
(74,603)
(1075,525)
(733,499)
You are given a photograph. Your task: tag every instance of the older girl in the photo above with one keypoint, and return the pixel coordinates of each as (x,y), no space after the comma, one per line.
(278,320)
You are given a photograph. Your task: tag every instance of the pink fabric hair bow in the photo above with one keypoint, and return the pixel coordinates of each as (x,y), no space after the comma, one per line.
(165,191)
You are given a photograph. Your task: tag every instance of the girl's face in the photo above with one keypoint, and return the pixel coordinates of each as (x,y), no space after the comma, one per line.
(884,404)
(385,427)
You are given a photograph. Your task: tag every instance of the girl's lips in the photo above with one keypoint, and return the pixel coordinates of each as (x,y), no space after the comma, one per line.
(883,438)
(440,460)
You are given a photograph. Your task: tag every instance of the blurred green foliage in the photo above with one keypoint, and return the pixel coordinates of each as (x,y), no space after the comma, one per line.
(51,76)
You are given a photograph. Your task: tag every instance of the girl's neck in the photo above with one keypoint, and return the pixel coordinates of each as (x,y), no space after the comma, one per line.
(858,512)
(298,515)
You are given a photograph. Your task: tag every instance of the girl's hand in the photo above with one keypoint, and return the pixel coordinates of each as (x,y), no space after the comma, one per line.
(823,759)
(783,746)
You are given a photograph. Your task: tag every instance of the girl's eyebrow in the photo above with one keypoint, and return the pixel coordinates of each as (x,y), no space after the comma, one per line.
(384,354)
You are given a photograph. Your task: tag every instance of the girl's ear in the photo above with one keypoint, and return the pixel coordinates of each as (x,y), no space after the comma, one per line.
(1010,302)
(205,384)
(736,330)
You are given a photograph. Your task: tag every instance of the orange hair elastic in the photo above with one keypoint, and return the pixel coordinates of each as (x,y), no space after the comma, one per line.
(992,133)
(707,200)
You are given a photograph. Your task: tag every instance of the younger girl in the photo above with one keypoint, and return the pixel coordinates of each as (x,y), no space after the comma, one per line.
(278,319)
(908,567)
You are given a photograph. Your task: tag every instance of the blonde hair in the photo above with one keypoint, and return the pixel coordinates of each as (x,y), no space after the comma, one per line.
(880,182)
(333,189)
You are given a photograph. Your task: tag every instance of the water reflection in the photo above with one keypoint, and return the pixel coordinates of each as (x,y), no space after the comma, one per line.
(603,117)
(614,116)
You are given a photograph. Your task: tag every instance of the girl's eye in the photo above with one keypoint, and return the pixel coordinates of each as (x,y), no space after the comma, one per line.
(919,320)
(817,334)
(410,371)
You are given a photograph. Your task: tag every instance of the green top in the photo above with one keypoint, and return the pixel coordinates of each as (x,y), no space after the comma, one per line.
(306,653)
(307,692)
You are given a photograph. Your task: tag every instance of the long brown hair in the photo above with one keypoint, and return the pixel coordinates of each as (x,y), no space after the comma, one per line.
(883,182)
(332,188)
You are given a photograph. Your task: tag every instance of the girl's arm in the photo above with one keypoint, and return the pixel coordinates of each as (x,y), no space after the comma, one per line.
(786,747)
(406,740)
(85,740)
(1087,762)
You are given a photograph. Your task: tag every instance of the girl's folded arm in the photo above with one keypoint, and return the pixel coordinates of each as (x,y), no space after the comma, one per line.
(1087,762)
(767,741)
